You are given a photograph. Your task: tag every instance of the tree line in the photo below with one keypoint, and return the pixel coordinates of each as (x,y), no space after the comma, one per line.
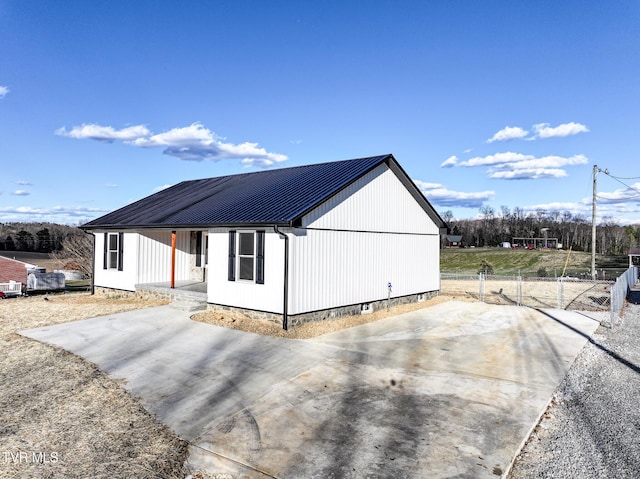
(35,237)
(573,231)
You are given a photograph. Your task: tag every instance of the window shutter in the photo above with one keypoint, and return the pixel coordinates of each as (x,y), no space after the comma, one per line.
(106,246)
(232,256)
(198,248)
(120,250)
(260,257)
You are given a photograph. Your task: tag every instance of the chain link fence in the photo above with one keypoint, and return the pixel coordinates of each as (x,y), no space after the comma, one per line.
(562,293)
(620,290)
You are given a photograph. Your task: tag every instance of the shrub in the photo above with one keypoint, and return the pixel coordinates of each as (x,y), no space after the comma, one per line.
(485,268)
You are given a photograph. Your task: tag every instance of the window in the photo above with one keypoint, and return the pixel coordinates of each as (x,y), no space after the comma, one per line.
(202,248)
(246,256)
(113,246)
(246,251)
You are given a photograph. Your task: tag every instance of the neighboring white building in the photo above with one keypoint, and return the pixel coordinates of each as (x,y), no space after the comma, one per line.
(304,243)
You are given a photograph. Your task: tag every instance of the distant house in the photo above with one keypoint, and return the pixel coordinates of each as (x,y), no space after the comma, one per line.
(14,270)
(13,275)
(634,257)
(454,241)
(301,243)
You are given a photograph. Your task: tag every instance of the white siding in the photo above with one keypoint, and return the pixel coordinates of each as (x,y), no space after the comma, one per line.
(154,256)
(112,278)
(370,234)
(376,202)
(147,259)
(338,268)
(245,294)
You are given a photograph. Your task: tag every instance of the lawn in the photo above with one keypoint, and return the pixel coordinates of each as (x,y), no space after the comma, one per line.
(506,261)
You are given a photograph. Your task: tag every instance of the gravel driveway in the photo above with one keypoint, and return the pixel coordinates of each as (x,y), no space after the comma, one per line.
(592,428)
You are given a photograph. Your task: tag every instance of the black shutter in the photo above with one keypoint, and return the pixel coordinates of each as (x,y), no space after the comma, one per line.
(198,248)
(106,250)
(120,250)
(232,256)
(260,257)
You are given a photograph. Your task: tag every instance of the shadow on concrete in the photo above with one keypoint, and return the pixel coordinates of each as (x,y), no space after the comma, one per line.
(590,339)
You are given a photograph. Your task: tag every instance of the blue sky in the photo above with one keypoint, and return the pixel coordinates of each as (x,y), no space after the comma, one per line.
(492,103)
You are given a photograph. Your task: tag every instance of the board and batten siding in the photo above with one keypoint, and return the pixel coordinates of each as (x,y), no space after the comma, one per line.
(146,259)
(376,202)
(154,256)
(349,248)
(112,278)
(246,294)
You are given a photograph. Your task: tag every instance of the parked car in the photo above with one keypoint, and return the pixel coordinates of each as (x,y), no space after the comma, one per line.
(2,295)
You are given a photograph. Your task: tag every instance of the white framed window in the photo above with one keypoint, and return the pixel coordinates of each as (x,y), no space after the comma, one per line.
(246,256)
(113,251)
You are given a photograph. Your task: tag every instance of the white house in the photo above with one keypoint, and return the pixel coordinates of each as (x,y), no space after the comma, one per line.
(300,243)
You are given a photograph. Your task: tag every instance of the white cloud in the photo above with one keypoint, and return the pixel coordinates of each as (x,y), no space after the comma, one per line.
(528,174)
(508,133)
(438,194)
(632,193)
(23,183)
(193,142)
(621,212)
(160,188)
(56,214)
(104,133)
(449,162)
(21,193)
(543,130)
(4,91)
(540,130)
(517,166)
(111,185)
(497,159)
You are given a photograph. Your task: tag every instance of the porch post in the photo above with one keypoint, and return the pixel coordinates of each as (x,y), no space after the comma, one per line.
(173,259)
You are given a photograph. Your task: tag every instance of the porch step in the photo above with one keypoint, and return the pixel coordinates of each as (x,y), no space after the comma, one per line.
(190,305)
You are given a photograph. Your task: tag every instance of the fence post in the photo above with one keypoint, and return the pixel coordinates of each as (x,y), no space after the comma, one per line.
(519,290)
(481,286)
(613,304)
(561,293)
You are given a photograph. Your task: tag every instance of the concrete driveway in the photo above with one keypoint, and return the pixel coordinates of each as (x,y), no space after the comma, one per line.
(448,391)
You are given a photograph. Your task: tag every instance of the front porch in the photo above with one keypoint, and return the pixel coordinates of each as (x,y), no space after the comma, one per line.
(187,295)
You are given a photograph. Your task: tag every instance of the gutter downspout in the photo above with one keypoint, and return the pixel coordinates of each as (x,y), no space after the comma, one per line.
(285,304)
(173,259)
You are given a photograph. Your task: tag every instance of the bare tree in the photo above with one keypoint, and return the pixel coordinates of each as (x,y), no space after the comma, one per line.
(76,253)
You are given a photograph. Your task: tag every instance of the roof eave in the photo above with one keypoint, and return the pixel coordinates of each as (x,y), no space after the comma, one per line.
(193,226)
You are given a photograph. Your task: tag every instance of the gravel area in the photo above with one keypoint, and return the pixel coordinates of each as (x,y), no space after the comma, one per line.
(592,427)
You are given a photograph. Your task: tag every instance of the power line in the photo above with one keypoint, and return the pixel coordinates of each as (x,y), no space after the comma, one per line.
(623,178)
(619,180)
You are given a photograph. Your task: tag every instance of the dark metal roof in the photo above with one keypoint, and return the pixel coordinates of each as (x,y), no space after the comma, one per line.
(271,197)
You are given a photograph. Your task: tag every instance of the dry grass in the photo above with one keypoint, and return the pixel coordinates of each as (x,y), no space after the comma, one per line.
(576,295)
(58,408)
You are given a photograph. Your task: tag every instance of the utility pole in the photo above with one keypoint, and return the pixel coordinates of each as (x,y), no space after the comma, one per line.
(593,224)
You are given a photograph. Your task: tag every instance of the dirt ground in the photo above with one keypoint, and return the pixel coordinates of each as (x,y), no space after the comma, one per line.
(316,328)
(573,295)
(60,417)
